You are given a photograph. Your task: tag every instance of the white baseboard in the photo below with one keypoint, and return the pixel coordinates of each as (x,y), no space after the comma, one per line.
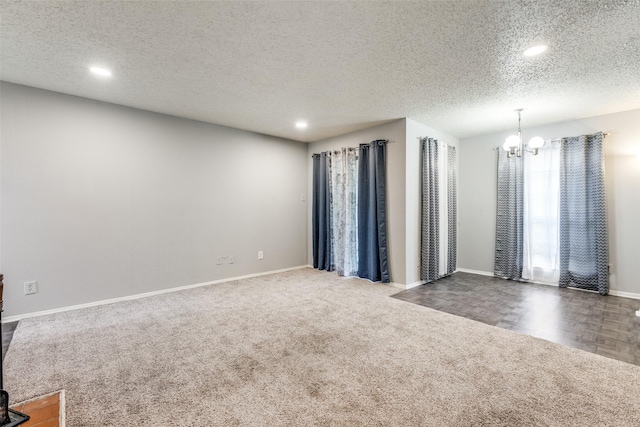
(405,287)
(230,279)
(414,284)
(467,270)
(624,294)
(143,295)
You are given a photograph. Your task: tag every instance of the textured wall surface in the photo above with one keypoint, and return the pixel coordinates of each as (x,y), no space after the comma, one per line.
(477,193)
(101,201)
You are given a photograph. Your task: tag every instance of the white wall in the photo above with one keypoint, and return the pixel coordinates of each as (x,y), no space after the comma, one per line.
(101,201)
(477,193)
(395,132)
(413,189)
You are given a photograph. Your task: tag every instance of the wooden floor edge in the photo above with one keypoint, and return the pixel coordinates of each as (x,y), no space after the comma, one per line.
(34,419)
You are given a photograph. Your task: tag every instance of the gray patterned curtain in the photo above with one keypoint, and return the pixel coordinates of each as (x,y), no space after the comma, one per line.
(439,210)
(373,263)
(509,221)
(430,240)
(452,202)
(321,212)
(583,241)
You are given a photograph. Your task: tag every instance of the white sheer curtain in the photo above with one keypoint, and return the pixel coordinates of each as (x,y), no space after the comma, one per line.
(344,218)
(541,196)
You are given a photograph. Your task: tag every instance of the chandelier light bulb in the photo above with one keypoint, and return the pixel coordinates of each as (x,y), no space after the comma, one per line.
(536,142)
(512,141)
(514,146)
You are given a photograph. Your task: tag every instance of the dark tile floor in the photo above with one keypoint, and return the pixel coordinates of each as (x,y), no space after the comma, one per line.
(603,325)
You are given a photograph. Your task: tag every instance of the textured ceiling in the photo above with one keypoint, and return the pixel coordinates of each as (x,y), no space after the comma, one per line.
(260,66)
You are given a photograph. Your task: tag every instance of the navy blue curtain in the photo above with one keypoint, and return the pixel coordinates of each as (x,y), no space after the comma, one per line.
(583,241)
(373,263)
(321,212)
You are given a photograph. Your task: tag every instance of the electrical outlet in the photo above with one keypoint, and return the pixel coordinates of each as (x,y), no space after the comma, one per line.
(225,260)
(638,313)
(260,255)
(30,288)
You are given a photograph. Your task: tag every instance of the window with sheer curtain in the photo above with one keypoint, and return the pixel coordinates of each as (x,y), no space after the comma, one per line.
(540,222)
(349,220)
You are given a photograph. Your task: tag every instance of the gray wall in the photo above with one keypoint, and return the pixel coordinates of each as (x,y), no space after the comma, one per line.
(477,195)
(100,201)
(395,132)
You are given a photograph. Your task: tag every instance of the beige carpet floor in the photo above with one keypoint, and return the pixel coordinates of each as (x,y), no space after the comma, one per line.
(307,348)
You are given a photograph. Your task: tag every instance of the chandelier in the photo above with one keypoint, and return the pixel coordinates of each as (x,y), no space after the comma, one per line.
(514,145)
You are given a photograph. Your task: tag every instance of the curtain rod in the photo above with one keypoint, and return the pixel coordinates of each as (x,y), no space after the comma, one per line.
(380,141)
(604,135)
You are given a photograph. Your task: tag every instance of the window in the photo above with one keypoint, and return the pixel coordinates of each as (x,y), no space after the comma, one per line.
(541,196)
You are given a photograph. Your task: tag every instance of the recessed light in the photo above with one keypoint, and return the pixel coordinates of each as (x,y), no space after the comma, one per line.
(535,50)
(100,71)
(301,125)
